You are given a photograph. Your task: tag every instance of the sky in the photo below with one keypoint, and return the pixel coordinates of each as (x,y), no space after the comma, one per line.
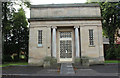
(40,2)
(35,2)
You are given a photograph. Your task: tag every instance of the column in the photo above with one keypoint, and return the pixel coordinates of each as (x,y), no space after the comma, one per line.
(77,46)
(54,42)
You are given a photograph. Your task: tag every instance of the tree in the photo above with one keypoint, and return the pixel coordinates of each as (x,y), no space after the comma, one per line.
(9,27)
(20,31)
(110,24)
(7,12)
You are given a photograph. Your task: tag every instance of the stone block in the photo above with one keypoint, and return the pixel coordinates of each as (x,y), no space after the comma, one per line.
(77,11)
(93,61)
(46,64)
(50,62)
(85,61)
(54,63)
(77,61)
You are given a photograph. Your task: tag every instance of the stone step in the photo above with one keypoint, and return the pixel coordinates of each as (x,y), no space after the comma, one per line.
(67,68)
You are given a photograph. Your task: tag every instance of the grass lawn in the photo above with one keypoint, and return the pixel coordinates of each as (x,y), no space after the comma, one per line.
(13,64)
(112,61)
(25,63)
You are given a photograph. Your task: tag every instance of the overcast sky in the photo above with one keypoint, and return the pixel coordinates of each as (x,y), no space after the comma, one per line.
(38,2)
(35,2)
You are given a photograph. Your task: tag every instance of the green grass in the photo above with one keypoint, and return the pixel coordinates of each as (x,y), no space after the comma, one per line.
(112,61)
(25,63)
(13,64)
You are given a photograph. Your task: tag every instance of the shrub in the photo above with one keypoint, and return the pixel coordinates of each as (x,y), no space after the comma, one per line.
(7,58)
(117,52)
(113,53)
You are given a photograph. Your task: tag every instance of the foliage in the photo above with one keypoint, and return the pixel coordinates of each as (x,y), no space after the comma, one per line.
(113,55)
(111,23)
(117,52)
(20,31)
(110,19)
(7,58)
(15,30)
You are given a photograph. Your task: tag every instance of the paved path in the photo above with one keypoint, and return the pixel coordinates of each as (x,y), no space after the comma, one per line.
(33,71)
(67,68)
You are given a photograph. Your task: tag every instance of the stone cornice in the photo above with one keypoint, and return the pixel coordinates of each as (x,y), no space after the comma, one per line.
(65,5)
(64,18)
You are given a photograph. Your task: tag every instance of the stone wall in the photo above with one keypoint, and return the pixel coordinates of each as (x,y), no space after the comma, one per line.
(85,16)
(95,52)
(66,10)
(37,54)
(65,23)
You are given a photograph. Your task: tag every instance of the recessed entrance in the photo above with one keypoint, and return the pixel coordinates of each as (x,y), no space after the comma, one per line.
(65,46)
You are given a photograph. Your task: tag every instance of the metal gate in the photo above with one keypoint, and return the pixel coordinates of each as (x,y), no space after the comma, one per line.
(65,46)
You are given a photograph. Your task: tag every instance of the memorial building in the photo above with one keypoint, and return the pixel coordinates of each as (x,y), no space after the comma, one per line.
(65,32)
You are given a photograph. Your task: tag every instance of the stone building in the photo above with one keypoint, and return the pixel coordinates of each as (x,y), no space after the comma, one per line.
(65,32)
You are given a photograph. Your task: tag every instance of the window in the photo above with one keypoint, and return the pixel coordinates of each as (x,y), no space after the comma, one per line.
(91,40)
(39,38)
(65,34)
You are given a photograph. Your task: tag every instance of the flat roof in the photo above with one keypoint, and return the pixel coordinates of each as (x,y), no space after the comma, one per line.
(66,5)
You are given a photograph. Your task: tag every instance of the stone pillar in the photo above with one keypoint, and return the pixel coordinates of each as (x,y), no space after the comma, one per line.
(54,42)
(100,39)
(77,45)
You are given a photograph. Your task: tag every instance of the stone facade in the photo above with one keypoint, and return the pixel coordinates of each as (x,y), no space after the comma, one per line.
(77,19)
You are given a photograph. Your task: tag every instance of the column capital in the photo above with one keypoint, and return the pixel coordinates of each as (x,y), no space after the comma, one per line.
(76,26)
(54,27)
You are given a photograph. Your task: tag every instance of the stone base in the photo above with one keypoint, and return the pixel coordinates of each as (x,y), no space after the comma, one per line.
(77,61)
(50,62)
(99,60)
(85,62)
(35,62)
(46,64)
